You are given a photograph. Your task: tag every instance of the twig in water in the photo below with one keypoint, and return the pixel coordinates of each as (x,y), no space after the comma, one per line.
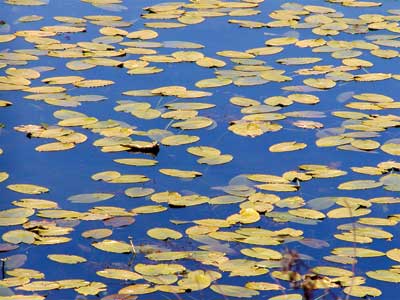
(3,268)
(133,251)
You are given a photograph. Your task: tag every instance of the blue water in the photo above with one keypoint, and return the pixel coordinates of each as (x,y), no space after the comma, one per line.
(68,173)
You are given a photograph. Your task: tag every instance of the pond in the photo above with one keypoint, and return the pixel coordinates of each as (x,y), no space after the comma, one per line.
(199,150)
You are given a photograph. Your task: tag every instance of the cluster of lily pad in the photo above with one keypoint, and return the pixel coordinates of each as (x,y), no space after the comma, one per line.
(257,198)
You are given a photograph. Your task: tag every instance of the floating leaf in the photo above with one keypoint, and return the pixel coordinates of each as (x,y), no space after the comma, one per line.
(137,192)
(180,173)
(196,280)
(321,83)
(176,140)
(287,297)
(307,213)
(66,259)
(164,234)
(362,291)
(93,288)
(19,236)
(365,144)
(39,286)
(203,151)
(28,189)
(394,254)
(357,252)
(137,289)
(3,176)
(213,82)
(262,253)
(113,246)
(384,275)
(298,60)
(159,269)
(97,233)
(93,83)
(215,160)
(119,274)
(391,148)
(263,286)
(56,146)
(287,146)
(359,185)
(332,271)
(136,161)
(193,123)
(233,291)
